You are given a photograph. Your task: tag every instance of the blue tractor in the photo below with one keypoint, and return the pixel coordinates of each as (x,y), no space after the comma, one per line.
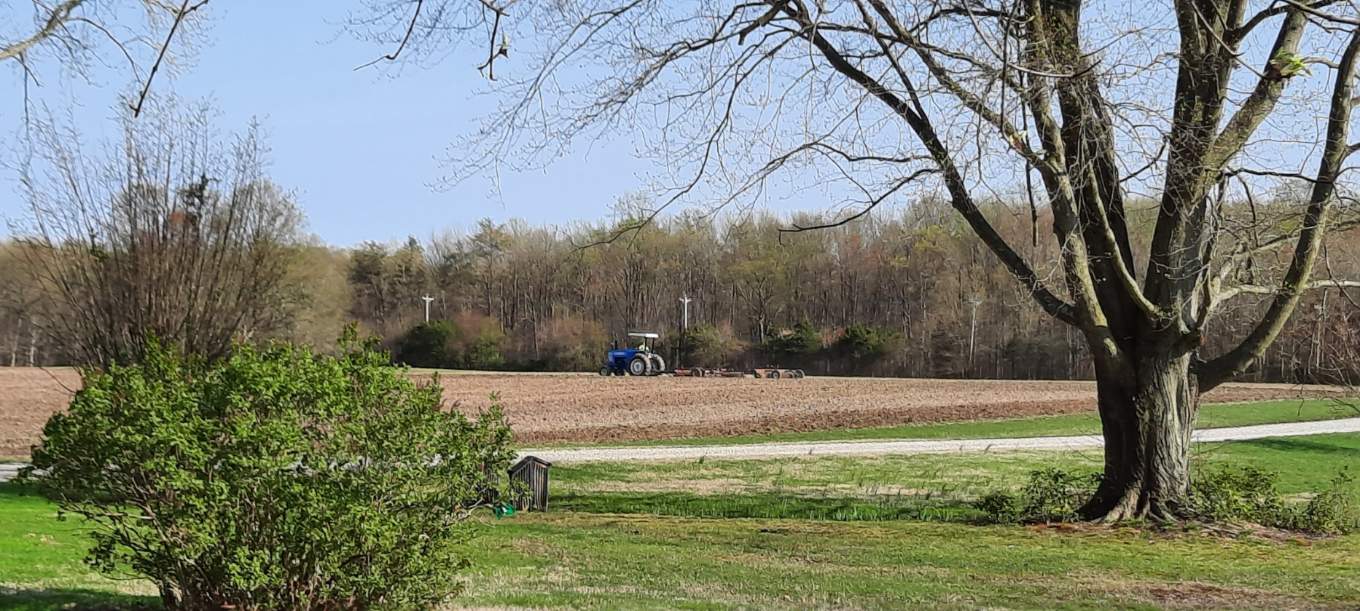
(634,361)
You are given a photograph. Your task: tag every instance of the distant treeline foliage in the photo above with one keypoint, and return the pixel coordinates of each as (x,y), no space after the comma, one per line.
(914,294)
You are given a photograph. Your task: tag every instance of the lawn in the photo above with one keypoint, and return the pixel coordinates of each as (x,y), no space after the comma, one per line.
(40,560)
(612,561)
(926,486)
(1210,416)
(817,532)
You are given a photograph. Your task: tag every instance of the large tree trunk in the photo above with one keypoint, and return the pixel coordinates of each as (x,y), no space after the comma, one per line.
(1147,422)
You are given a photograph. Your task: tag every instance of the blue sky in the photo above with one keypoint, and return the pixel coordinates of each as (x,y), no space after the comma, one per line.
(359,148)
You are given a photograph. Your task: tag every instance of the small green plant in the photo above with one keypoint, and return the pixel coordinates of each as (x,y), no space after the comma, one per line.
(1049,495)
(1289,64)
(1055,495)
(1248,494)
(273,479)
(1000,507)
(1237,494)
(1333,511)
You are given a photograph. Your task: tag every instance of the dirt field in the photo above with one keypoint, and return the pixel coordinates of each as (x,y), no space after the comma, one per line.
(571,407)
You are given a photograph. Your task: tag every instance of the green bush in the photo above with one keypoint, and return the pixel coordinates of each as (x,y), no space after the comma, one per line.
(800,342)
(428,345)
(1219,495)
(1248,494)
(1229,494)
(707,346)
(1050,495)
(865,343)
(1000,507)
(1054,495)
(1333,511)
(484,352)
(274,479)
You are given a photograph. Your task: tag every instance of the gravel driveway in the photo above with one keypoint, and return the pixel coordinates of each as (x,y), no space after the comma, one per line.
(880,447)
(876,448)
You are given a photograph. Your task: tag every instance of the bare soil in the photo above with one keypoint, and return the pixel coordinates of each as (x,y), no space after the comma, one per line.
(589,408)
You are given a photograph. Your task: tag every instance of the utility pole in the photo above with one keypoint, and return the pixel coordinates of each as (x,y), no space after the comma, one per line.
(1318,337)
(684,326)
(32,341)
(684,319)
(427,299)
(972,331)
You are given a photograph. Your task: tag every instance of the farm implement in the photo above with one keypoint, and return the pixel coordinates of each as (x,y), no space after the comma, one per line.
(640,360)
(771,373)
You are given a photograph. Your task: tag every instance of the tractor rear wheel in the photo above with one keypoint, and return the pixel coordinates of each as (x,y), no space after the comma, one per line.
(658,364)
(639,366)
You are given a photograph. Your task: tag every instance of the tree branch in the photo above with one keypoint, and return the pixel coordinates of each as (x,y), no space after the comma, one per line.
(180,14)
(54,22)
(1257,289)
(410,28)
(959,196)
(1237,360)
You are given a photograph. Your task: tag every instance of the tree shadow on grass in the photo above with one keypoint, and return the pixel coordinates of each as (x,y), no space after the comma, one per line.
(83,600)
(769,506)
(1305,444)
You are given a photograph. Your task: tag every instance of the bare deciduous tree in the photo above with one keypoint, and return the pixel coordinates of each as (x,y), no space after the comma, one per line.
(141,36)
(171,233)
(1088,103)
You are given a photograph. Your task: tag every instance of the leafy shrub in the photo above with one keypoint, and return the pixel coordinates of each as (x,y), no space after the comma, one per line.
(1237,494)
(707,346)
(479,342)
(1221,495)
(1000,507)
(1050,495)
(865,343)
(573,344)
(1054,495)
(274,479)
(800,342)
(1333,511)
(427,345)
(1248,494)
(484,352)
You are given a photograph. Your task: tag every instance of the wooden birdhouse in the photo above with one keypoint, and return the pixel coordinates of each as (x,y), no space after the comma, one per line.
(532,473)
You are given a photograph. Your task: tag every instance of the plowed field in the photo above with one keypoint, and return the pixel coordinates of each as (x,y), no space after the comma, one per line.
(574,407)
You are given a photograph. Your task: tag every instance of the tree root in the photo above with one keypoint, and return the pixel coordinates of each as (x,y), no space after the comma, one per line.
(1129,504)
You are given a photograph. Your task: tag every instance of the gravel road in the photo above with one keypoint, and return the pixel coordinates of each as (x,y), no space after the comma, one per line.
(874,448)
(878,448)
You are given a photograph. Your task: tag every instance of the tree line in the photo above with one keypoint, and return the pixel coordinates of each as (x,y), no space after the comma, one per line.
(907,293)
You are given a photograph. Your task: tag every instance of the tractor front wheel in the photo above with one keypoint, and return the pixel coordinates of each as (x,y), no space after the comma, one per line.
(639,366)
(604,371)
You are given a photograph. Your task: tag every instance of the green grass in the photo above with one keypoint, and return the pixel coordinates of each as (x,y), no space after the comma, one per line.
(40,560)
(1210,416)
(888,532)
(609,561)
(928,486)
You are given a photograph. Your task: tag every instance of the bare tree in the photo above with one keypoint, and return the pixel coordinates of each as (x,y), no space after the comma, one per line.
(140,36)
(172,234)
(1194,107)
